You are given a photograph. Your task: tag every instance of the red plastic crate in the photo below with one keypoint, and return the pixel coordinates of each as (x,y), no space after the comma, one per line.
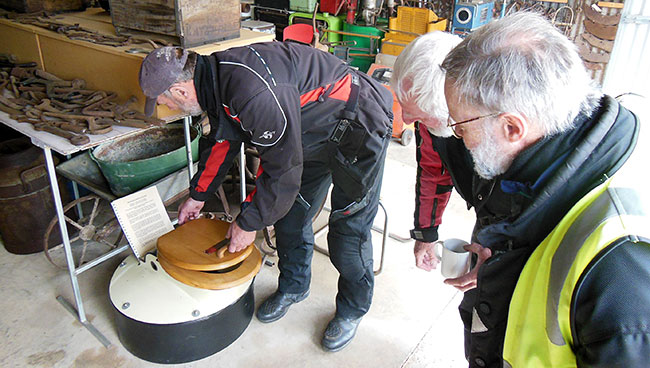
(330,6)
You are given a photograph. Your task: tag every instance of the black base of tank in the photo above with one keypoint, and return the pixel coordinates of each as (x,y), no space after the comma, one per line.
(187,341)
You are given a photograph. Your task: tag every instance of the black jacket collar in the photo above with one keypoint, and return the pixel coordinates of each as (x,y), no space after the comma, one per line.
(558,171)
(209,96)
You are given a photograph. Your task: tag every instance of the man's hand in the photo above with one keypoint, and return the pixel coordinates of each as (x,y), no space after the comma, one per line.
(239,239)
(425,257)
(189,210)
(468,281)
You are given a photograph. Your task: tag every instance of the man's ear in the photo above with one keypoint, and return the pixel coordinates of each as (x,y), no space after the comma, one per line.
(514,126)
(179,91)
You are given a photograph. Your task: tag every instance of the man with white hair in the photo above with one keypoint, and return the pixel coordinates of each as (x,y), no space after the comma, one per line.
(547,162)
(418,82)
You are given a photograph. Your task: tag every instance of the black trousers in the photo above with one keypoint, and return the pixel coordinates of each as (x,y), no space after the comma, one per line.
(349,237)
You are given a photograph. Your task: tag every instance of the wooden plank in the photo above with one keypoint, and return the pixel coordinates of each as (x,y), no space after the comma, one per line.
(20,42)
(111,71)
(32,6)
(204,21)
(144,15)
(94,14)
(609,4)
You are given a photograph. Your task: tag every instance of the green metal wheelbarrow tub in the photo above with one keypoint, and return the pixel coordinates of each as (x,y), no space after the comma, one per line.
(133,162)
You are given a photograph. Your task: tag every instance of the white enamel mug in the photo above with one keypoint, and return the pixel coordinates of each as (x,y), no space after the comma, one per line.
(454,259)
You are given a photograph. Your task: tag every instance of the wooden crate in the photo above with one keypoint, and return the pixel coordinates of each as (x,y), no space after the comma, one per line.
(31,6)
(193,22)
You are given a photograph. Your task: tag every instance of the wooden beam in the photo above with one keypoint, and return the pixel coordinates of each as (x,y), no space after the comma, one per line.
(609,4)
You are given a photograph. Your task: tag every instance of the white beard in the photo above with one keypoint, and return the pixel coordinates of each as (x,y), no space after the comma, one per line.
(193,109)
(489,162)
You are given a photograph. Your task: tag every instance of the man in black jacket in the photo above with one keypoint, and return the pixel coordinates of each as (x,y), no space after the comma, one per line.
(315,122)
(566,283)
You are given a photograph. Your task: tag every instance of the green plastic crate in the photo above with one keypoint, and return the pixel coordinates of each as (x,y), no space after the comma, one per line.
(302,5)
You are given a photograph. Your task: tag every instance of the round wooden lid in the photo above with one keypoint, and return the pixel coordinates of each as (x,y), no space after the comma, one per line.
(215,281)
(185,246)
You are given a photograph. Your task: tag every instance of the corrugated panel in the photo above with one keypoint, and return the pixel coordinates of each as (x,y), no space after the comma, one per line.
(629,67)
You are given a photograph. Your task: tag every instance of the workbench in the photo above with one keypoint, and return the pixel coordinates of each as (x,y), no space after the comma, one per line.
(104,68)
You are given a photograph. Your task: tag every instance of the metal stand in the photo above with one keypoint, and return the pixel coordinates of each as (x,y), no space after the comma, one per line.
(242,172)
(80,312)
(187,122)
(47,143)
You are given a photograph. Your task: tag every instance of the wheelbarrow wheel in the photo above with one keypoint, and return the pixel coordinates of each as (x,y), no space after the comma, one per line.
(407,137)
(94,228)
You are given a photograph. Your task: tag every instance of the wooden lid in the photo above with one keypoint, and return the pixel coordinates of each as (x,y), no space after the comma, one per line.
(185,246)
(215,281)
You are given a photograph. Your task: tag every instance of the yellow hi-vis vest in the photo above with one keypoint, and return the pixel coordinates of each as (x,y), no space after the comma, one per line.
(538,333)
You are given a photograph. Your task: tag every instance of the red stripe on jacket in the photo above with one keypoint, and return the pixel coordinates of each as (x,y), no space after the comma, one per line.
(340,91)
(431,200)
(212,165)
(234,117)
(249,198)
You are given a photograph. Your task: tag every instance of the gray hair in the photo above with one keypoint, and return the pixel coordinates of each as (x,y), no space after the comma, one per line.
(522,64)
(417,75)
(187,73)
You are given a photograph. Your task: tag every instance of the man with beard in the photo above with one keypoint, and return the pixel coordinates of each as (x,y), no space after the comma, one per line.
(315,122)
(418,82)
(547,162)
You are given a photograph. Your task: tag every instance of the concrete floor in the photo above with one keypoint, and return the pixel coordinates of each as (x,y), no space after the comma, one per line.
(413,321)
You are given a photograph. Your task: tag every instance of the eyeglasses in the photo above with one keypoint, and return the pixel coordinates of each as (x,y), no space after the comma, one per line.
(452,124)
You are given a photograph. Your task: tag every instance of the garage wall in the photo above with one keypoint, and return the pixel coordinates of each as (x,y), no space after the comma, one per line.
(629,67)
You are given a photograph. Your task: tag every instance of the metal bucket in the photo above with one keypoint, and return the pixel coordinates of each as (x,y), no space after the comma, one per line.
(26,202)
(133,162)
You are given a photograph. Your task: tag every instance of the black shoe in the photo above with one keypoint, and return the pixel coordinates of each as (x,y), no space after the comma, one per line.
(277,305)
(339,333)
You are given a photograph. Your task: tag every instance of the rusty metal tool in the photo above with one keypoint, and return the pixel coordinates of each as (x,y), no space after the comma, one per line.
(5,101)
(66,125)
(133,123)
(96,125)
(9,110)
(97,101)
(603,32)
(76,139)
(598,43)
(45,106)
(598,17)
